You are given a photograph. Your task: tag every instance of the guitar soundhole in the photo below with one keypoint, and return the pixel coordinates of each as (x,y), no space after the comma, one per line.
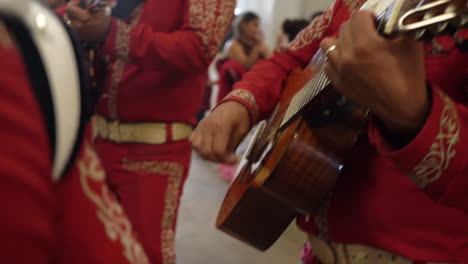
(329,107)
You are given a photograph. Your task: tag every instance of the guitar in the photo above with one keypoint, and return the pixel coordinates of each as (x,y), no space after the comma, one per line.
(295,158)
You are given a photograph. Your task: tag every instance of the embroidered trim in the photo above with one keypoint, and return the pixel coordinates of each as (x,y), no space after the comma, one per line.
(211,19)
(248,97)
(314,31)
(109,211)
(122,47)
(441,152)
(175,171)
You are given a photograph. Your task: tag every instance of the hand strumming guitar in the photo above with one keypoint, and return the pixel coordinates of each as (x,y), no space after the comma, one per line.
(218,135)
(89,26)
(385,75)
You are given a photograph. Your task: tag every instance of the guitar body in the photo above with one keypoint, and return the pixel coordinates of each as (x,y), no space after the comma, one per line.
(296,157)
(288,170)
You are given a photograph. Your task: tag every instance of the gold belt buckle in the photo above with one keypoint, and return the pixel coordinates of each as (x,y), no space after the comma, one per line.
(113,131)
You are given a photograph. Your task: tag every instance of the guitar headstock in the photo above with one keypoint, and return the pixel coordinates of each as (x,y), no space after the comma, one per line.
(426,19)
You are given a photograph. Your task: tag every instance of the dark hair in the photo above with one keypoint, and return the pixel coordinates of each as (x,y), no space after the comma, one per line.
(242,19)
(248,16)
(292,27)
(315,15)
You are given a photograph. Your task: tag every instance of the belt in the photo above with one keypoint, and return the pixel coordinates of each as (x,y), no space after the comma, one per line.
(145,133)
(335,253)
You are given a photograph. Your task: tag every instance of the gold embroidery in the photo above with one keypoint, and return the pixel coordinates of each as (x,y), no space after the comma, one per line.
(442,151)
(318,26)
(122,47)
(248,97)
(211,19)
(109,211)
(175,171)
(313,32)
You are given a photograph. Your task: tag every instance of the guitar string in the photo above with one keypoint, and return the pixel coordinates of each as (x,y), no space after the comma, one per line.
(305,95)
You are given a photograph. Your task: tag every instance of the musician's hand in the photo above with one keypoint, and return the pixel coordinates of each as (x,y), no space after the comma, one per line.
(218,135)
(385,75)
(89,26)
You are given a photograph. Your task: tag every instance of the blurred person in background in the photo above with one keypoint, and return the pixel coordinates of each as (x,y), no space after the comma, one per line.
(157,54)
(243,51)
(289,30)
(248,45)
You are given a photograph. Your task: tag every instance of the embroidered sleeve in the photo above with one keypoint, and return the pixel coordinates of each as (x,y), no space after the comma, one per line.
(247,99)
(191,48)
(210,20)
(438,156)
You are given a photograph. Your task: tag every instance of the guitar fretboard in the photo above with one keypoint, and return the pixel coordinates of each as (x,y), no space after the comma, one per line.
(305,95)
(391,11)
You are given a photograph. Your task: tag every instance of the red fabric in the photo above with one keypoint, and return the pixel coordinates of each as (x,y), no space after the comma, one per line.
(73,221)
(158,60)
(164,51)
(230,73)
(148,180)
(61,10)
(377,201)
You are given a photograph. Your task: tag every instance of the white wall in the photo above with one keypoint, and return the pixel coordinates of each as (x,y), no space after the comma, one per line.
(311,6)
(274,12)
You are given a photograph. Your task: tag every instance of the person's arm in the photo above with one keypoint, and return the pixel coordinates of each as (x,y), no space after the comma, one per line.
(236,53)
(266,51)
(437,158)
(27,221)
(188,49)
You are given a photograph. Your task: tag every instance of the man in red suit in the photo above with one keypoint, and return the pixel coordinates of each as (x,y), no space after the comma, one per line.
(402,195)
(75,219)
(157,59)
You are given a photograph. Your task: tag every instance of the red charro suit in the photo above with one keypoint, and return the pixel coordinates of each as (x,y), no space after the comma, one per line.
(76,220)
(157,63)
(412,202)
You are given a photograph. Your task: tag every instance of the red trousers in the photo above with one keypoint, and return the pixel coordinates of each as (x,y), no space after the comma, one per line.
(148,180)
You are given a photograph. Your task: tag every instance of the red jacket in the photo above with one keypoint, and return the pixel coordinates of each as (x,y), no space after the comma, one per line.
(76,220)
(230,73)
(413,201)
(159,57)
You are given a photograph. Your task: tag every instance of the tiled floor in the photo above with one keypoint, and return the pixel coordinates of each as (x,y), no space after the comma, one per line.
(199,242)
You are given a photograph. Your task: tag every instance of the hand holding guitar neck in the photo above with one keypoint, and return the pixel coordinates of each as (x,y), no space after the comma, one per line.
(399,97)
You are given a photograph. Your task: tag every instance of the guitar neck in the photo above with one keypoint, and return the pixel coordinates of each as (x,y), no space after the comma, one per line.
(426,19)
